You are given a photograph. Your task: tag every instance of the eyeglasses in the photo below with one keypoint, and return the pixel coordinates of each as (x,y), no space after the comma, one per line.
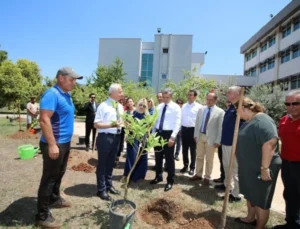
(149,101)
(93,97)
(142,105)
(292,104)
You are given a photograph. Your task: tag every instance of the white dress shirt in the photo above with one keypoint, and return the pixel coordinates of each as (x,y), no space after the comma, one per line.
(172,117)
(189,114)
(106,113)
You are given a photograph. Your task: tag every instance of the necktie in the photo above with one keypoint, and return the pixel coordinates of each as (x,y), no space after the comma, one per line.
(206,121)
(161,123)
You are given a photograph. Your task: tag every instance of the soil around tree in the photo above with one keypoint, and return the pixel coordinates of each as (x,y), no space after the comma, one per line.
(84,167)
(24,135)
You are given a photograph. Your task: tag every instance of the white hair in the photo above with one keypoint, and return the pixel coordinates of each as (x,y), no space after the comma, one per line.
(167,91)
(293,93)
(235,89)
(114,87)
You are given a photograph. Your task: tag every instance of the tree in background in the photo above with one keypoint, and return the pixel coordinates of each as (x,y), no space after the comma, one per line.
(3,55)
(136,91)
(106,75)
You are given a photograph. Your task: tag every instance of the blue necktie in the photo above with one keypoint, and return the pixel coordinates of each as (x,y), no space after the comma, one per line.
(206,121)
(161,123)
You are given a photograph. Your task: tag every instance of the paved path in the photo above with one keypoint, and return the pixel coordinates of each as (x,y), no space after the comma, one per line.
(277,204)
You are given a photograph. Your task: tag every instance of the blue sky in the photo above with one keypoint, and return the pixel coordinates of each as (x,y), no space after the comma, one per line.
(56,33)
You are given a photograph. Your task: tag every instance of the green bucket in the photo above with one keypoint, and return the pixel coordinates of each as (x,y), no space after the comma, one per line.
(27,151)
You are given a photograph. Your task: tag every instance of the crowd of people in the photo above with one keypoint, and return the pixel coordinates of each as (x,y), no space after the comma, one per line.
(200,129)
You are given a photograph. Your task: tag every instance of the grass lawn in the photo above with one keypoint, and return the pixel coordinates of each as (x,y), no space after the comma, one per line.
(5,110)
(188,205)
(8,128)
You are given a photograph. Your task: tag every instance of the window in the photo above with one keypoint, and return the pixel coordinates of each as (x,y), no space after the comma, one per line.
(285,57)
(296,53)
(271,63)
(263,47)
(254,53)
(248,57)
(247,73)
(164,76)
(147,67)
(272,41)
(253,72)
(295,82)
(263,67)
(286,30)
(165,50)
(297,24)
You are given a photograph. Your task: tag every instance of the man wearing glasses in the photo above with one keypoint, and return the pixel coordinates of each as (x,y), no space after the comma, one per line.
(90,109)
(289,132)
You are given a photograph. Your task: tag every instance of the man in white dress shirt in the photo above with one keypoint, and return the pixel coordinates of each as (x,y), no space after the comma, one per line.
(167,127)
(109,122)
(208,133)
(188,121)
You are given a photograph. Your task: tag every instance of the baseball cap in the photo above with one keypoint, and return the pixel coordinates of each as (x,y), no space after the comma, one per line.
(69,72)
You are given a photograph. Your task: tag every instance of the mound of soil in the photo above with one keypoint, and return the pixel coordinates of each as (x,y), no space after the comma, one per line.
(83,167)
(201,223)
(23,135)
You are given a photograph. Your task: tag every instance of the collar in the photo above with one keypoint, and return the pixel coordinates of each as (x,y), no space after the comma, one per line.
(60,90)
(191,103)
(112,99)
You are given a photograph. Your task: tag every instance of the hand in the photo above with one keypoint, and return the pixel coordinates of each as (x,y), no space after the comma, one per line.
(265,175)
(53,152)
(171,142)
(216,145)
(119,124)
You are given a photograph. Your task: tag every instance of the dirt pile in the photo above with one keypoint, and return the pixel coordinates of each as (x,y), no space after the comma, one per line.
(24,135)
(83,167)
(164,213)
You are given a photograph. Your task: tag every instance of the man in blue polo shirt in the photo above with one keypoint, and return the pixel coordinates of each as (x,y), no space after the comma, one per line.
(57,121)
(233,96)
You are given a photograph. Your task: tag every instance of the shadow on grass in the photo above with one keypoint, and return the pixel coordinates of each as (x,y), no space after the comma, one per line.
(20,212)
(82,190)
(102,218)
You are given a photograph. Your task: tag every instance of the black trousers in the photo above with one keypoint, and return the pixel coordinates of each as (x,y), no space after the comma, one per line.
(53,172)
(290,173)
(89,126)
(107,147)
(220,152)
(169,156)
(188,143)
(121,148)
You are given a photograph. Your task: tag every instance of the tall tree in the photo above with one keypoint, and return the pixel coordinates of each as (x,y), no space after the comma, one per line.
(3,55)
(106,75)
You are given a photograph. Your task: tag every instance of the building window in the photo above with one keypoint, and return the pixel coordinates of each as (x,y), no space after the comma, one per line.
(254,53)
(285,56)
(286,30)
(164,76)
(147,67)
(272,41)
(297,24)
(263,67)
(263,47)
(248,57)
(296,53)
(165,50)
(253,72)
(271,63)
(247,73)
(295,82)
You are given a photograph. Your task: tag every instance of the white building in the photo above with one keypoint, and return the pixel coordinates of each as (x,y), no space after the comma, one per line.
(272,55)
(152,62)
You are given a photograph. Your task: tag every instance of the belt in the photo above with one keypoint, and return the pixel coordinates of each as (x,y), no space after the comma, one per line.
(188,127)
(110,134)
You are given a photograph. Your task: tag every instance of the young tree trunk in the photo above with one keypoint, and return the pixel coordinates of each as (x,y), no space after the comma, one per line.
(19,112)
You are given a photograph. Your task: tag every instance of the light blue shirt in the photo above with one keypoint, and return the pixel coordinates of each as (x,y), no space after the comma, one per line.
(204,117)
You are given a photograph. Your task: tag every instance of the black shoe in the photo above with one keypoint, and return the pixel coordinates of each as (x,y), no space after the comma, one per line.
(104,196)
(113,191)
(87,149)
(219,180)
(285,226)
(232,198)
(184,170)
(176,158)
(153,168)
(156,181)
(191,172)
(220,188)
(168,187)
(50,222)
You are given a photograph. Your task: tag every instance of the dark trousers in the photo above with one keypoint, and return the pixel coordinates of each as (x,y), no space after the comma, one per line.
(169,156)
(220,152)
(178,146)
(53,172)
(107,147)
(121,148)
(290,173)
(89,126)
(188,143)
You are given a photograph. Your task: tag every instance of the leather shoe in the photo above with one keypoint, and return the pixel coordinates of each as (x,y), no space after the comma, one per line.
(191,172)
(113,191)
(206,182)
(183,170)
(104,196)
(219,180)
(177,158)
(168,187)
(156,181)
(195,178)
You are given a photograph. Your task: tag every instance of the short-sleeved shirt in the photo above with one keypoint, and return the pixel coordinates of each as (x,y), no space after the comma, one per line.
(33,107)
(62,120)
(229,125)
(252,136)
(289,132)
(107,113)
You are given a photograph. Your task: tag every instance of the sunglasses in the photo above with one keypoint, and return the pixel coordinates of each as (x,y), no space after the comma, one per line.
(292,104)
(142,105)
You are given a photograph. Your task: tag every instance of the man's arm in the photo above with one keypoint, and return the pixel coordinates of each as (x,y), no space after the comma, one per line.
(219,128)
(177,122)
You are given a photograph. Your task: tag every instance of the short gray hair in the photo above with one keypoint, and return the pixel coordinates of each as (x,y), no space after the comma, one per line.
(167,91)
(293,93)
(235,88)
(114,87)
